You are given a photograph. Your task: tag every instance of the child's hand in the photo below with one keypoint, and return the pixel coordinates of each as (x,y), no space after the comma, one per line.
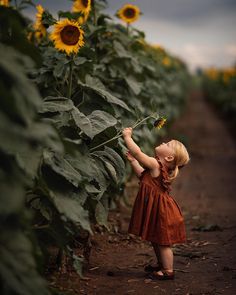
(130,157)
(127,132)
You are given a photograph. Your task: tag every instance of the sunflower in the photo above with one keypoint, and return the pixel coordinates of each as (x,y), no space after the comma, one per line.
(166,61)
(129,13)
(40,29)
(159,122)
(83,6)
(4,2)
(212,73)
(67,36)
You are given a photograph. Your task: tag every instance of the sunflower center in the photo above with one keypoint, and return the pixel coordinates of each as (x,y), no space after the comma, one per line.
(85,3)
(129,12)
(70,35)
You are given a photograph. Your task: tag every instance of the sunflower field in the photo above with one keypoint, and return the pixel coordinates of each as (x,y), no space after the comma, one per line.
(219,86)
(69,84)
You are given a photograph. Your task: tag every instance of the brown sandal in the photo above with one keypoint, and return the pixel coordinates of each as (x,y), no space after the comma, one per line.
(167,275)
(150,268)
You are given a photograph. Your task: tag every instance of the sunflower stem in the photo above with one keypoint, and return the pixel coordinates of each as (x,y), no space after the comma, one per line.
(128,25)
(94,16)
(119,134)
(70,77)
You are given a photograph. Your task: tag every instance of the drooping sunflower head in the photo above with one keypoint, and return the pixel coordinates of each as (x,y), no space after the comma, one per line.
(83,6)
(129,13)
(159,122)
(67,36)
(4,2)
(40,29)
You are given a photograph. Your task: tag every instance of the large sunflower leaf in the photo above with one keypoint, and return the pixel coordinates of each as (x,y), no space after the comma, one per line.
(56,104)
(72,210)
(94,123)
(120,50)
(101,215)
(133,84)
(18,269)
(83,122)
(110,169)
(104,94)
(115,160)
(100,121)
(62,167)
(100,175)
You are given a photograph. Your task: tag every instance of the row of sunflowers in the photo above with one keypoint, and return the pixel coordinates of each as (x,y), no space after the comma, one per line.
(219,86)
(69,85)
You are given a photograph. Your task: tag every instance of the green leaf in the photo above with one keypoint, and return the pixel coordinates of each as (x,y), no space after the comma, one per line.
(101,215)
(19,97)
(59,69)
(56,104)
(94,123)
(133,84)
(106,95)
(115,160)
(69,14)
(110,169)
(18,268)
(100,121)
(120,50)
(62,167)
(78,264)
(72,210)
(82,122)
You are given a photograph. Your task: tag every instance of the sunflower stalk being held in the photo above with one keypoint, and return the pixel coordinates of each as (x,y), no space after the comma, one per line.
(158,124)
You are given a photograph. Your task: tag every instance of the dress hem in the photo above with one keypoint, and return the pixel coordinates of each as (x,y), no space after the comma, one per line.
(161,243)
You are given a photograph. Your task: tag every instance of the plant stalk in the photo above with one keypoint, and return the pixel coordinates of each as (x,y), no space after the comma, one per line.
(128,25)
(69,92)
(119,134)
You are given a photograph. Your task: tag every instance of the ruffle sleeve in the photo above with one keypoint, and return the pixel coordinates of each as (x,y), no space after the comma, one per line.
(165,176)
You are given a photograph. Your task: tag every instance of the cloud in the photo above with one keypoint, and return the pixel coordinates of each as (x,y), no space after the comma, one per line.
(201,55)
(231,50)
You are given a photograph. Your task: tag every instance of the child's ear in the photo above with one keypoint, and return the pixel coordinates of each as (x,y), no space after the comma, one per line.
(169,158)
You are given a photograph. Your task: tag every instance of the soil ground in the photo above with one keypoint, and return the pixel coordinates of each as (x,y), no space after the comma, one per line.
(206,192)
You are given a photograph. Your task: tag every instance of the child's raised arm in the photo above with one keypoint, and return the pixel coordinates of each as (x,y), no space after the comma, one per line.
(136,152)
(138,169)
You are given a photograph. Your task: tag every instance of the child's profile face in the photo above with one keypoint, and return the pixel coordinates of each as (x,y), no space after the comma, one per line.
(164,150)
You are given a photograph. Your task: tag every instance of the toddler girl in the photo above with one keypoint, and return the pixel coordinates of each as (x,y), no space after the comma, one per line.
(156,217)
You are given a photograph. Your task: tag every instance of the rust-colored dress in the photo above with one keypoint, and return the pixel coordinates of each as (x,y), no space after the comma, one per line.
(156,216)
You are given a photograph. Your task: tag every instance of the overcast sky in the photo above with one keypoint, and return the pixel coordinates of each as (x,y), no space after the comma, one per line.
(202,32)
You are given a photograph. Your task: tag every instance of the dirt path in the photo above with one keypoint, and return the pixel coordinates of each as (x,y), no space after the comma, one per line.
(206,193)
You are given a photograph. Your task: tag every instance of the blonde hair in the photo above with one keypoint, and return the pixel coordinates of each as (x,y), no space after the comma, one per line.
(181,158)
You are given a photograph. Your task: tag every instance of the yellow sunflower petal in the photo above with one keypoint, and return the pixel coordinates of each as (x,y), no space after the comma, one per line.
(129,13)
(83,6)
(166,61)
(40,30)
(67,36)
(159,122)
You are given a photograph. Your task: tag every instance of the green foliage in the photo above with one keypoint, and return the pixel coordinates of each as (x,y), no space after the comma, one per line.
(63,156)
(21,135)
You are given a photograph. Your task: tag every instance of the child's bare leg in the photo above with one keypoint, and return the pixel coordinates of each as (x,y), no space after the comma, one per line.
(167,258)
(157,252)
